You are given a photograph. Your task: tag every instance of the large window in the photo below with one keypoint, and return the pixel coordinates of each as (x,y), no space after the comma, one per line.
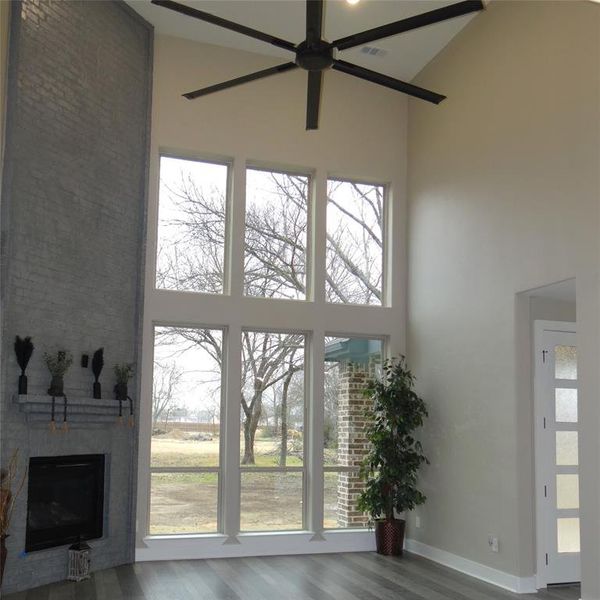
(191,225)
(185,443)
(255,378)
(272,431)
(276,234)
(355,242)
(349,363)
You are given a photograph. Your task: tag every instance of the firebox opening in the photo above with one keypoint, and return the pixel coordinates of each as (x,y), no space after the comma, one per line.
(65,501)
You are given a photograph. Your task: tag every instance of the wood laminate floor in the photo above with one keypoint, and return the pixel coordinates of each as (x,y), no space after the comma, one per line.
(350,576)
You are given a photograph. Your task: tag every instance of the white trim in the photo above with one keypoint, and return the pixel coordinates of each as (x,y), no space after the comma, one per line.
(541,448)
(253,544)
(513,583)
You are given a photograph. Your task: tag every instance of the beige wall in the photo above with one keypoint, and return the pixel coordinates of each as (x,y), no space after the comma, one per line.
(503,197)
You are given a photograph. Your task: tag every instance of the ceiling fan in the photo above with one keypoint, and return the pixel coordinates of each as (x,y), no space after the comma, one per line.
(315,54)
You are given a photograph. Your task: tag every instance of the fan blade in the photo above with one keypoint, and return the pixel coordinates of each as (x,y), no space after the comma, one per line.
(314,21)
(313,99)
(386,81)
(239,80)
(204,16)
(428,18)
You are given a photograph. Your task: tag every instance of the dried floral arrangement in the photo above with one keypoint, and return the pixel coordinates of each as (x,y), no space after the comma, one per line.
(58,363)
(23,351)
(98,363)
(97,366)
(123,373)
(8,482)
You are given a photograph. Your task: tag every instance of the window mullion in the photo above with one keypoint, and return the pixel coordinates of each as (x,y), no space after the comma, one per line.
(236,228)
(314,454)
(319,236)
(230,434)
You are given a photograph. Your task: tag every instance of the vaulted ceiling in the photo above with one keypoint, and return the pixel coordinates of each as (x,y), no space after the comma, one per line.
(401,56)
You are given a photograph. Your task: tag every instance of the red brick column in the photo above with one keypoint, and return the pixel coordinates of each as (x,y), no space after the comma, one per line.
(352,444)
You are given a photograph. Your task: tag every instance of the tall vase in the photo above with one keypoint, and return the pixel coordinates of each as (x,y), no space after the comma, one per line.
(3,553)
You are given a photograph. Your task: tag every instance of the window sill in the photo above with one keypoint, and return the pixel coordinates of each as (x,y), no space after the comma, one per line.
(201,546)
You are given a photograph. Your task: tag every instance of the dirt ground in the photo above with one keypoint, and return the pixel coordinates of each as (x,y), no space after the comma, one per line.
(187,502)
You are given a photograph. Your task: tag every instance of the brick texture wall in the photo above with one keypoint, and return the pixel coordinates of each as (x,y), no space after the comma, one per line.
(352,443)
(73,210)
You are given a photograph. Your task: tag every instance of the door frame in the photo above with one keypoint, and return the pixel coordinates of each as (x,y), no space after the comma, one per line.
(539,406)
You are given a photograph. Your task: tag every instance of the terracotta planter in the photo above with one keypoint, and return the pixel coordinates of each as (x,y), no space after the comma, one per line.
(3,553)
(389,537)
(97,390)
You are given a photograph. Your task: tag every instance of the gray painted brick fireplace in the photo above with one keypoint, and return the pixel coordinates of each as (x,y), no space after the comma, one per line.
(73,219)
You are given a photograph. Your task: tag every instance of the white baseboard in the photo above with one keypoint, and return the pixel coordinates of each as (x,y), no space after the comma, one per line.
(519,585)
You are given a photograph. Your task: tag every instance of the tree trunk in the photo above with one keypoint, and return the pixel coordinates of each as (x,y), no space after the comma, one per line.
(250,427)
(284,421)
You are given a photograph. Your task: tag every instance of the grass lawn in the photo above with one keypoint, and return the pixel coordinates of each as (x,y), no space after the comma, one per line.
(187,502)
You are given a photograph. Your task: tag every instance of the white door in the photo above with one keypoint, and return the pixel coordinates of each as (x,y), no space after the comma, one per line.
(557,453)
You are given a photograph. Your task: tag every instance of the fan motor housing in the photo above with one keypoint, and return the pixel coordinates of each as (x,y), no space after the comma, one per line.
(316,57)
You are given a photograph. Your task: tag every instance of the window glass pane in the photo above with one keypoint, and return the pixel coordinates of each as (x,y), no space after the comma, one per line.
(183,503)
(565,362)
(191,226)
(567,535)
(276,234)
(341,494)
(566,405)
(271,501)
(186,397)
(349,363)
(354,243)
(567,491)
(272,412)
(566,448)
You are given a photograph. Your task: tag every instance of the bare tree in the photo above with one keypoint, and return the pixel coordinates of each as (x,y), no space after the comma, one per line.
(191,257)
(167,377)
(287,380)
(330,399)
(267,359)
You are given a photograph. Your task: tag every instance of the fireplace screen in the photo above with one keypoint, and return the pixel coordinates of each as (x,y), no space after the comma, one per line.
(65,500)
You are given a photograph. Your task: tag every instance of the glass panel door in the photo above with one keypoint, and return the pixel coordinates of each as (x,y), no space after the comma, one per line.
(558,464)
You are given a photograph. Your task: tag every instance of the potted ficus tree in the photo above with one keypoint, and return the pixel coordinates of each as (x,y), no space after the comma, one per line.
(392,463)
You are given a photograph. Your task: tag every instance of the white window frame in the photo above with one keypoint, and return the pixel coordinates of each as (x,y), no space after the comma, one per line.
(221,492)
(340,468)
(233,312)
(386,296)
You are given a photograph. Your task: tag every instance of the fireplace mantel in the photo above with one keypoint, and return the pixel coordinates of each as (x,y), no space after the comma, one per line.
(81,411)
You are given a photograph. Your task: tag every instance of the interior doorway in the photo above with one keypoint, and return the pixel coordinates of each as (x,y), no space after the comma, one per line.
(552,314)
(557,452)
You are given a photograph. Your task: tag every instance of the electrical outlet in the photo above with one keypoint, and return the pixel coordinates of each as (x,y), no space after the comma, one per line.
(493,543)
(418,522)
